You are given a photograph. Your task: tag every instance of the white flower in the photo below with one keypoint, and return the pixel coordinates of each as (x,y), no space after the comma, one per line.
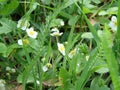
(13,70)
(55,32)
(24,41)
(66,43)
(72,53)
(113,23)
(38,82)
(8,68)
(31,33)
(62,23)
(23,24)
(44,68)
(61,48)
(2,83)
(20,42)
(87,57)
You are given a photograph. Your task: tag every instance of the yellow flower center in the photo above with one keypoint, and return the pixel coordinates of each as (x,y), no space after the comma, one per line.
(32,32)
(25,41)
(115,23)
(73,52)
(62,48)
(49,65)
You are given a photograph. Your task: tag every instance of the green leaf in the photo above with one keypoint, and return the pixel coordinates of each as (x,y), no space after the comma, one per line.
(72,20)
(102,13)
(98,84)
(86,10)
(97,1)
(10,49)
(112,10)
(30,78)
(3,48)
(64,75)
(7,9)
(87,35)
(7,26)
(47,2)
(101,66)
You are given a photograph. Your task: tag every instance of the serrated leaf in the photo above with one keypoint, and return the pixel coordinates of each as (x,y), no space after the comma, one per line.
(7,26)
(64,75)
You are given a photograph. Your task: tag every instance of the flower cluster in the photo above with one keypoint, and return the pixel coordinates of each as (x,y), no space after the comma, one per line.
(61,48)
(10,70)
(47,67)
(23,41)
(24,25)
(2,84)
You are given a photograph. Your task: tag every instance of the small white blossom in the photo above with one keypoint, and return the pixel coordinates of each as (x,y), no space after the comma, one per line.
(113,23)
(20,42)
(38,82)
(23,24)
(44,68)
(55,32)
(61,48)
(62,23)
(87,58)
(31,33)
(13,70)
(2,84)
(24,41)
(66,43)
(72,53)
(8,68)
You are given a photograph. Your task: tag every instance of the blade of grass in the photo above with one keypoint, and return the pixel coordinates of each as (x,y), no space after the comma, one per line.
(118,22)
(92,29)
(70,40)
(111,60)
(86,72)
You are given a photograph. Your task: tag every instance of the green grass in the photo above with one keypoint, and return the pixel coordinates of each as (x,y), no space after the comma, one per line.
(39,64)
